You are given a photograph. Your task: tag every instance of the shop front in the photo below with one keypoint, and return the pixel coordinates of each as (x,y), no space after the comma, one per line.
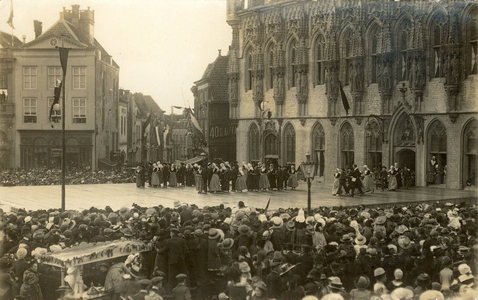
(43,150)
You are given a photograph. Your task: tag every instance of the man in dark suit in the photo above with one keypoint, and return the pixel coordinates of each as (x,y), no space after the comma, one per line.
(176,248)
(166,175)
(181,291)
(150,172)
(356,181)
(205,177)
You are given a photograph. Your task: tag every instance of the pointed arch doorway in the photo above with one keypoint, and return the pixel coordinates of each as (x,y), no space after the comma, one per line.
(404,143)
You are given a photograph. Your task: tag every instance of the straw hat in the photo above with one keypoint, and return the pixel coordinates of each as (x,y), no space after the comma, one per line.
(404,242)
(362,282)
(277,222)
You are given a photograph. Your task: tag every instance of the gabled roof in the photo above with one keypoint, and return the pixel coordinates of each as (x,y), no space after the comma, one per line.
(66,31)
(216,76)
(6,41)
(141,104)
(153,106)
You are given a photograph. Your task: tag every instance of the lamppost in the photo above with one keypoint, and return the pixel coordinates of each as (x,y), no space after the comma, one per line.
(309,170)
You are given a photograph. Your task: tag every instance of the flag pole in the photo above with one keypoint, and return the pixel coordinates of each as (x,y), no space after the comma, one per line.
(63,146)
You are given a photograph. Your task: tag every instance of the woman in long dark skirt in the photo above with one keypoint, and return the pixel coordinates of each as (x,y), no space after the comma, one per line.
(189,175)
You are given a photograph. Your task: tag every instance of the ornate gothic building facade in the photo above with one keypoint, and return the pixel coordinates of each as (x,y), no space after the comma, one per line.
(408,72)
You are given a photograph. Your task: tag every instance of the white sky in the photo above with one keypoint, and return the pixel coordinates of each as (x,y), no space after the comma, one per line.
(161,46)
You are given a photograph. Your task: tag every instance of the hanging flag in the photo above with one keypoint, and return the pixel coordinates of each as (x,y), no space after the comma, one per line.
(195,127)
(165,136)
(146,124)
(156,129)
(10,17)
(56,99)
(345,102)
(64,58)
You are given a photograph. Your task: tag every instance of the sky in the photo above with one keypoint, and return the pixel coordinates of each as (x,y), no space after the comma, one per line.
(161,46)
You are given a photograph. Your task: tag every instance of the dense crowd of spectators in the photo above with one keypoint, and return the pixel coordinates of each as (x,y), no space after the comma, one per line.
(426,251)
(21,177)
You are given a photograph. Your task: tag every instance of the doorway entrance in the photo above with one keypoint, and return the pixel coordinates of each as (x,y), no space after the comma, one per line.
(406,158)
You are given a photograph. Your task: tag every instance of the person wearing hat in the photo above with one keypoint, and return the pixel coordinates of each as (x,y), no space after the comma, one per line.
(446,273)
(294,290)
(7,282)
(176,249)
(336,287)
(273,280)
(422,282)
(277,233)
(157,282)
(397,282)
(143,292)
(20,265)
(30,288)
(181,291)
(213,253)
(360,292)
(100,277)
(381,278)
(259,291)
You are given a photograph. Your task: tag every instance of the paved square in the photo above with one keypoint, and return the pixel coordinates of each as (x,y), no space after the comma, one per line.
(80,197)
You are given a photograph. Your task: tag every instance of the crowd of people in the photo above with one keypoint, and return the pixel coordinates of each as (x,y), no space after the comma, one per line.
(218,177)
(42,176)
(423,251)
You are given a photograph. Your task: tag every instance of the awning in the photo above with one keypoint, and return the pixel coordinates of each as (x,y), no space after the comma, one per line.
(194,160)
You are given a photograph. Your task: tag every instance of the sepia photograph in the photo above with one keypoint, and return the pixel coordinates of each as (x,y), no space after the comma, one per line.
(238,149)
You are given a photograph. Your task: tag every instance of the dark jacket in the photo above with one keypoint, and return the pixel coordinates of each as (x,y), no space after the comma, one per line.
(177,249)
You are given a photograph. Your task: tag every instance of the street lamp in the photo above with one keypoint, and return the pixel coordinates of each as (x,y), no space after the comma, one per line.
(308,168)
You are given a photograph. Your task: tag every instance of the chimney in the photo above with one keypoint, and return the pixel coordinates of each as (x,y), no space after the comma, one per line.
(75,15)
(38,28)
(219,50)
(87,24)
(24,37)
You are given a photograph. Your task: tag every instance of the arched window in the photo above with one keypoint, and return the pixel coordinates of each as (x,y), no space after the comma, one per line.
(254,155)
(374,145)
(437,144)
(404,30)
(318,148)
(270,145)
(438,35)
(346,55)
(470,166)
(248,68)
(292,62)
(347,146)
(319,60)
(373,36)
(471,21)
(289,136)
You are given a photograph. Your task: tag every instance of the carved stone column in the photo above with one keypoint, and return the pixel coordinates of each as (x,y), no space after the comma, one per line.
(258,86)
(385,81)
(233,89)
(302,83)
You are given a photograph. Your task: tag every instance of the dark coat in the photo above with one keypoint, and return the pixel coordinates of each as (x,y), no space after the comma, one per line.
(274,285)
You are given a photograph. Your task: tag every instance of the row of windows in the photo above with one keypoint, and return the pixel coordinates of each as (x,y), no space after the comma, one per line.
(437,62)
(123,125)
(30,110)
(30,77)
(437,143)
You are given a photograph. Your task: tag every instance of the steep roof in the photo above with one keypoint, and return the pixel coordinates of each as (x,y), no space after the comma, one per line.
(141,104)
(153,106)
(6,40)
(216,76)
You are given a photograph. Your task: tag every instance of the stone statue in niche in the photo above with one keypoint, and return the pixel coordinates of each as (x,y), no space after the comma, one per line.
(447,69)
(407,133)
(413,71)
(303,83)
(232,89)
(455,70)
(387,76)
(258,86)
(420,75)
(280,85)
(298,83)
(357,79)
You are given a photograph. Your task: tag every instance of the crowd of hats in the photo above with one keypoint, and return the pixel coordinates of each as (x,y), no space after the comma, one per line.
(348,245)
(21,177)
